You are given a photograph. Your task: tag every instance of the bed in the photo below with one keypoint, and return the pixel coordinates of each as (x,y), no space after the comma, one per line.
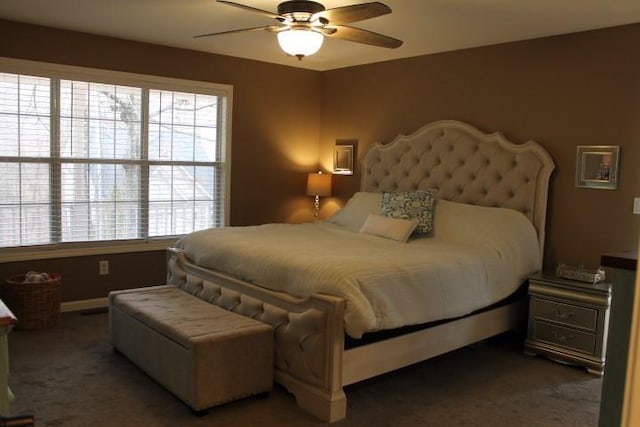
(481,183)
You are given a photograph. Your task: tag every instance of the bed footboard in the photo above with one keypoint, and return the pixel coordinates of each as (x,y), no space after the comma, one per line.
(308,333)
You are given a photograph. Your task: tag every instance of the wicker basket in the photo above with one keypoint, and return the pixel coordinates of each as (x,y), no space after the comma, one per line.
(35,304)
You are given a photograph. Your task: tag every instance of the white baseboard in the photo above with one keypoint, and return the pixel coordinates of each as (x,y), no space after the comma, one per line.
(86,304)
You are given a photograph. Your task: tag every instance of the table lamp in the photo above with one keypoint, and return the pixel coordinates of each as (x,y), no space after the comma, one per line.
(318,185)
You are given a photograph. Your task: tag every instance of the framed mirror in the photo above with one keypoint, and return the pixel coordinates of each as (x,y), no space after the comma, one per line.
(343,156)
(597,166)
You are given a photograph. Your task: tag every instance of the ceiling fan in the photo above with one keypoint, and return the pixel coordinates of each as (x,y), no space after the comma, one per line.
(303,24)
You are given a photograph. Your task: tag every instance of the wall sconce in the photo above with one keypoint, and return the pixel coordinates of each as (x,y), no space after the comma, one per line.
(318,185)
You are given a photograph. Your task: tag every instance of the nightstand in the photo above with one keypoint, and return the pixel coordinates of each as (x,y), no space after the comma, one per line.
(568,321)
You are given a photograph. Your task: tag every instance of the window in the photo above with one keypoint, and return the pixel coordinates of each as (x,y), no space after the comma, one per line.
(100,158)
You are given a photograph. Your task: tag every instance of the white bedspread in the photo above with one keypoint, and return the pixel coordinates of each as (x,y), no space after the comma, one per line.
(476,256)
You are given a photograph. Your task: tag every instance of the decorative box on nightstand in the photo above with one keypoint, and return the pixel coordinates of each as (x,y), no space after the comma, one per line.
(568,320)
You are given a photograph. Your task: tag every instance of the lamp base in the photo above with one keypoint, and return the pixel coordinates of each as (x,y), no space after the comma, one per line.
(316,208)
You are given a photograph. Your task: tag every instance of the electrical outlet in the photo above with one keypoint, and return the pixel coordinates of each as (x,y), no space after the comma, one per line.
(636,205)
(103,267)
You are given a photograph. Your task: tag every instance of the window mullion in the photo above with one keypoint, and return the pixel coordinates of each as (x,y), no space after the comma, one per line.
(21,166)
(172,199)
(193,158)
(221,185)
(144,165)
(55,165)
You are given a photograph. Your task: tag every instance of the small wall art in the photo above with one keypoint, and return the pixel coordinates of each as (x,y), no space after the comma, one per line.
(343,157)
(597,166)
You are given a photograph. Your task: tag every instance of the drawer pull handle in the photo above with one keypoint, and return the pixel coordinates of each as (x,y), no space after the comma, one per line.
(560,337)
(564,316)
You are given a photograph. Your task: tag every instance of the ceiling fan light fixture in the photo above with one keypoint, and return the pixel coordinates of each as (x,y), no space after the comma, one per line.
(303,24)
(300,42)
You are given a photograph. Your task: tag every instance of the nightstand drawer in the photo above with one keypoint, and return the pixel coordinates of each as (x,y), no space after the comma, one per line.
(569,314)
(565,337)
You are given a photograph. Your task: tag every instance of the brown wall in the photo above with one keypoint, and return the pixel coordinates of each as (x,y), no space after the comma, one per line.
(564,91)
(580,89)
(80,279)
(275,140)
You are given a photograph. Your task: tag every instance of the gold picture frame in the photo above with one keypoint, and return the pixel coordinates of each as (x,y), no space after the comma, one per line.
(597,166)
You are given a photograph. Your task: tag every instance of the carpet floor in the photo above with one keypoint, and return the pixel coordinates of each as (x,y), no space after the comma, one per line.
(69,375)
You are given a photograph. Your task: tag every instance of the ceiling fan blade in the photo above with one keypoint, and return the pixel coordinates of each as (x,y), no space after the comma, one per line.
(357,12)
(363,36)
(263,28)
(252,9)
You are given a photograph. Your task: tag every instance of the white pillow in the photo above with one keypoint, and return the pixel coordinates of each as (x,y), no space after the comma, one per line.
(355,212)
(388,227)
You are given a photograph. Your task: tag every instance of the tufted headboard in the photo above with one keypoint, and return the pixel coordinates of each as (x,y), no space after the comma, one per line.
(466,166)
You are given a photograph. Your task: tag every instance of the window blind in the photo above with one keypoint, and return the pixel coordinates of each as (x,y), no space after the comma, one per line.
(25,160)
(89,161)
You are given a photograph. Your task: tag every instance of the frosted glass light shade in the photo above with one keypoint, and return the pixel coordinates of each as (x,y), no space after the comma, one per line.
(300,41)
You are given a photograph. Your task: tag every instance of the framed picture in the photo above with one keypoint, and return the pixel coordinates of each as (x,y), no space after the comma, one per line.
(597,166)
(343,158)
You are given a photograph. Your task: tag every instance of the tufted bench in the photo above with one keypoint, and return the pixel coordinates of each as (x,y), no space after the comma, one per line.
(202,353)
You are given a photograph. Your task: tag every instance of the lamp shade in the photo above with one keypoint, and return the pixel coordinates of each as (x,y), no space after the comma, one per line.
(300,41)
(319,184)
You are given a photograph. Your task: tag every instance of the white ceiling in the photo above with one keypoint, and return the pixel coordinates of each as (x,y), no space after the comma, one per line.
(425,26)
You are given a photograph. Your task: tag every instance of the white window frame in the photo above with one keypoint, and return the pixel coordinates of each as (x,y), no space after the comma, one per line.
(66,72)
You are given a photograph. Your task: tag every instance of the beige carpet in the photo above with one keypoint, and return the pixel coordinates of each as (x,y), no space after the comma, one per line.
(69,376)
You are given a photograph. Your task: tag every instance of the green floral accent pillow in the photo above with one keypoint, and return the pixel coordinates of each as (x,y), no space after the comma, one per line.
(411,205)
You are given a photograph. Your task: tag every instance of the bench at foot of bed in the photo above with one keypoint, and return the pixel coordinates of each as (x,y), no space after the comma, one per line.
(202,353)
